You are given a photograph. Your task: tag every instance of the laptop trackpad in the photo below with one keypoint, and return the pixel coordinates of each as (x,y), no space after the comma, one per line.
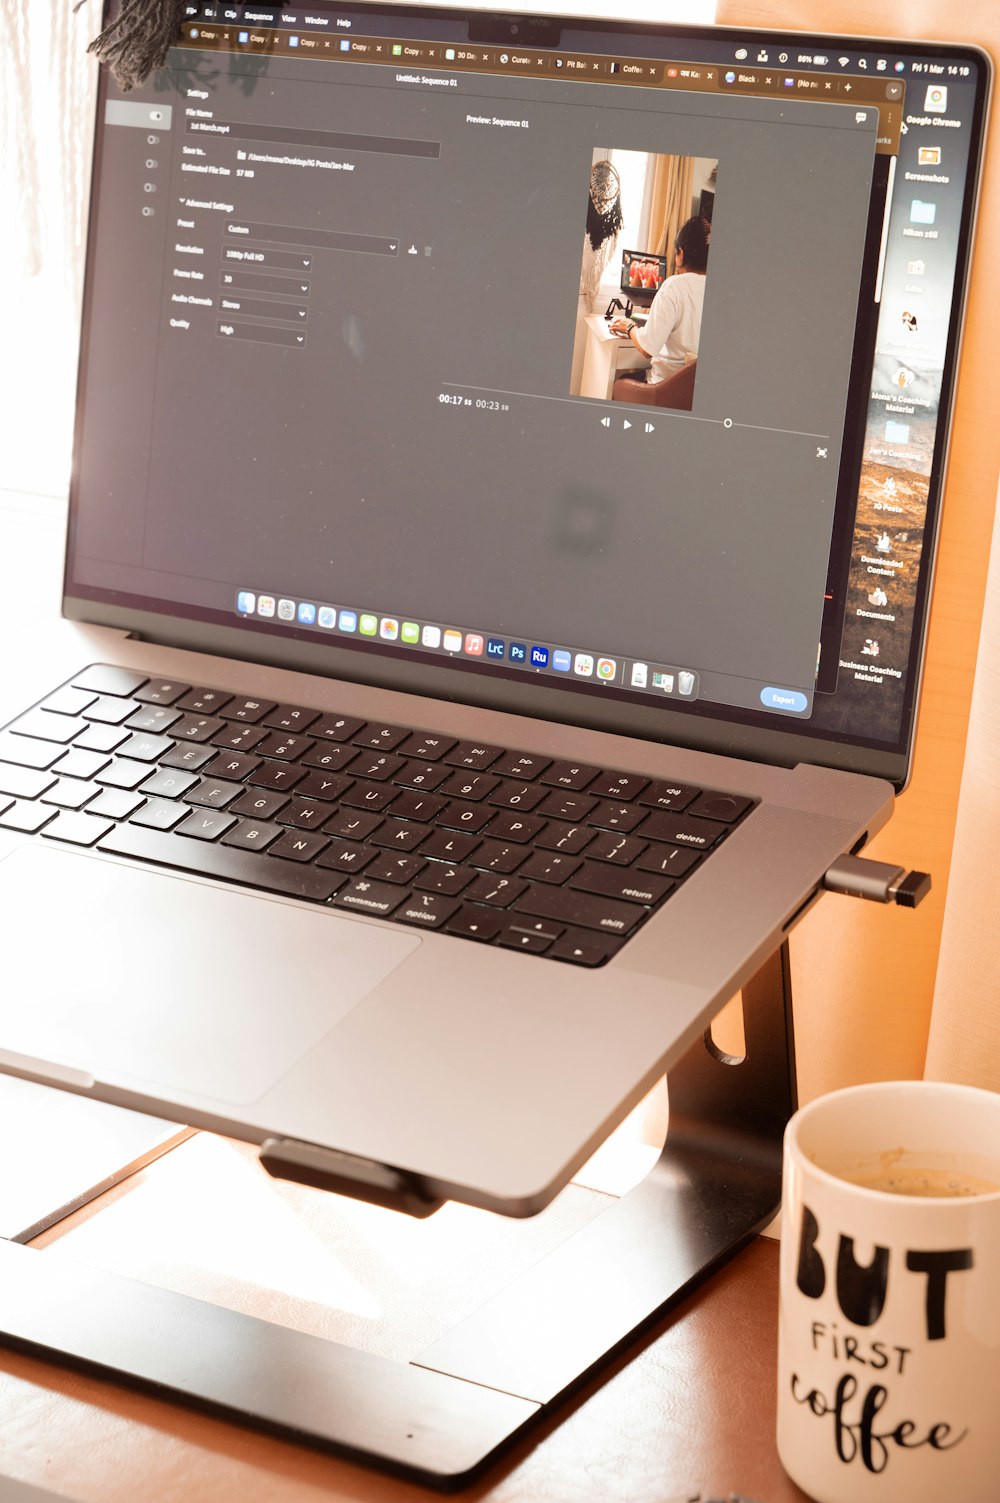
(172,983)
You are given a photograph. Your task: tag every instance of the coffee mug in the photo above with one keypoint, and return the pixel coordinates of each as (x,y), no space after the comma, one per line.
(889,1327)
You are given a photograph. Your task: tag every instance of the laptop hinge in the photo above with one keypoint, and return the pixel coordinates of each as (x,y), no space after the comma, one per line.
(346,1174)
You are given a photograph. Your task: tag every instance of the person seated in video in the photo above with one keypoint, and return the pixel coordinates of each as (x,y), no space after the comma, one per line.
(670,335)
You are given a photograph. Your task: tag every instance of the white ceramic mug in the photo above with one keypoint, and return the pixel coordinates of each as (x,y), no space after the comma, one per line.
(889,1333)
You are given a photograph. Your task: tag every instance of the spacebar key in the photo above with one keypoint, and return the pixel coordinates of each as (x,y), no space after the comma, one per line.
(606,914)
(253,868)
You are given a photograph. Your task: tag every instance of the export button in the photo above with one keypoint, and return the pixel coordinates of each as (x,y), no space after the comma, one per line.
(784,699)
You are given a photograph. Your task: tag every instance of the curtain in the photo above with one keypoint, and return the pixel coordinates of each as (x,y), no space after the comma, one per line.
(964,1041)
(670,203)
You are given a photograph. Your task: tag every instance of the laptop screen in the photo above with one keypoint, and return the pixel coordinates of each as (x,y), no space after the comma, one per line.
(355,394)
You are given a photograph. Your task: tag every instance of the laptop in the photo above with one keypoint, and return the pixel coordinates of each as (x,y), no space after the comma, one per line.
(433,742)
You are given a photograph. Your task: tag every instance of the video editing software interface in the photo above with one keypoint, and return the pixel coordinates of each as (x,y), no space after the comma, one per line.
(348,375)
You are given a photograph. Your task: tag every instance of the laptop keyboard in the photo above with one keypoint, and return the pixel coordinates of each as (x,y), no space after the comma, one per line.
(483,842)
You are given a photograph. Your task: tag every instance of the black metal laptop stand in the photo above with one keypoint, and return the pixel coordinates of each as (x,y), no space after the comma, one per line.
(441,1416)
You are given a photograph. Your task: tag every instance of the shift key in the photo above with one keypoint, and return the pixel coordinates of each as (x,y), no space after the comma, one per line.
(580,908)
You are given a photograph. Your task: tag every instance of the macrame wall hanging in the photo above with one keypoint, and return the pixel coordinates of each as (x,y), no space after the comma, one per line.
(137,40)
(604,225)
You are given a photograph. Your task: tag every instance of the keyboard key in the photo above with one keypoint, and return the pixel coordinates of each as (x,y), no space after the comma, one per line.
(725,806)
(467,817)
(155,718)
(475,923)
(663,795)
(368,796)
(110,711)
(299,845)
(520,765)
(423,775)
(290,717)
(381,737)
(352,824)
(472,786)
(399,869)
(160,692)
(330,757)
(251,835)
(28,817)
(377,766)
(546,866)
(25,782)
(516,795)
(580,951)
(102,678)
(668,860)
(122,773)
(248,710)
(78,764)
(427,910)
(49,727)
(284,748)
(621,786)
(69,701)
(144,747)
(115,803)
(77,829)
(344,856)
(239,737)
(569,839)
(517,827)
(441,876)
(680,830)
(259,804)
(159,814)
(212,794)
(580,908)
(497,891)
(304,814)
(616,816)
(25,751)
(70,793)
(400,835)
(426,748)
(473,755)
(169,782)
(622,850)
(495,856)
(573,775)
(376,898)
(335,728)
(101,738)
(445,846)
(205,825)
(536,942)
(204,701)
(189,757)
(568,806)
(196,728)
(326,786)
(420,806)
(210,860)
(234,767)
(278,775)
(612,882)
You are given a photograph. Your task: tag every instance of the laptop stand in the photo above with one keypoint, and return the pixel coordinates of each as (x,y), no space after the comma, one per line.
(442,1416)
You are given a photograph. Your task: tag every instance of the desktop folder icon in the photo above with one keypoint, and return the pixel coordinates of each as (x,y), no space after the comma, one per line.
(921,212)
(897,433)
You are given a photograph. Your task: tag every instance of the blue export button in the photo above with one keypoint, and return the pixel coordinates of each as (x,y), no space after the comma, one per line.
(784,699)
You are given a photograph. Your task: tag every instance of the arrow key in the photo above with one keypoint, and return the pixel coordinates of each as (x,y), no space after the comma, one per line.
(475,923)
